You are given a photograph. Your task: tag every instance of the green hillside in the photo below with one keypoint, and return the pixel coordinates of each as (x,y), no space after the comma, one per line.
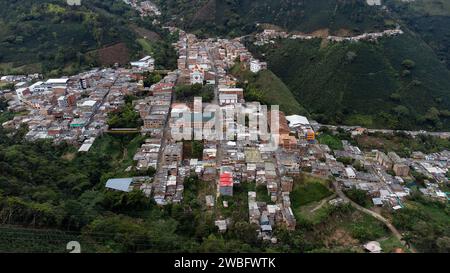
(54,38)
(429,19)
(267,88)
(236,17)
(398,82)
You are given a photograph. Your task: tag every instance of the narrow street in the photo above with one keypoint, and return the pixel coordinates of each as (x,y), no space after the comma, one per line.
(216,85)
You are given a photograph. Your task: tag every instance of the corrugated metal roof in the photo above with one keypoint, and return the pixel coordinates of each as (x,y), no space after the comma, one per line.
(120,184)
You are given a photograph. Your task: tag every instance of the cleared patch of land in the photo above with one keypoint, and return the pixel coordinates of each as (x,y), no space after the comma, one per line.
(117,53)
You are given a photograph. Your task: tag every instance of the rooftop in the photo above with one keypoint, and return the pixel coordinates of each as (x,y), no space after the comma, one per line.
(120,184)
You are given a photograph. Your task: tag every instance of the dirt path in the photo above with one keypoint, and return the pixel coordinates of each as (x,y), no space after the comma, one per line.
(322,203)
(377,216)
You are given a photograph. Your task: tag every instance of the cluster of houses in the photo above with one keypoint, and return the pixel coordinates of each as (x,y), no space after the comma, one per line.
(227,52)
(435,168)
(168,182)
(154,109)
(269,36)
(228,163)
(157,152)
(145,8)
(206,61)
(386,177)
(71,109)
(75,109)
(23,79)
(267,216)
(368,36)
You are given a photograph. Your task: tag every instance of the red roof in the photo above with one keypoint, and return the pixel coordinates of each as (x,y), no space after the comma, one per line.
(162,86)
(226,180)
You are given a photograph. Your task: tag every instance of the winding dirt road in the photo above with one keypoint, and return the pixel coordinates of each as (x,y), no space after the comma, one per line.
(377,216)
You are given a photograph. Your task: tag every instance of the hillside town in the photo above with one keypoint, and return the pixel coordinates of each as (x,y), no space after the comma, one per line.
(270,35)
(75,110)
(145,8)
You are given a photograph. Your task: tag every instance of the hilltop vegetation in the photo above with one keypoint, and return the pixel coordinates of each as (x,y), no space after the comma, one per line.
(239,17)
(51,36)
(425,224)
(54,38)
(429,19)
(396,83)
(268,89)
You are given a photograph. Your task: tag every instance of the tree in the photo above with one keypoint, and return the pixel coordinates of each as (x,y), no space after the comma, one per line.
(188,92)
(245,232)
(126,202)
(358,196)
(443,244)
(126,117)
(151,78)
(197,149)
(151,171)
(401,110)
(121,233)
(408,64)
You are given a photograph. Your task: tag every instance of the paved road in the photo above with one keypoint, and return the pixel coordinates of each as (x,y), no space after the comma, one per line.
(377,216)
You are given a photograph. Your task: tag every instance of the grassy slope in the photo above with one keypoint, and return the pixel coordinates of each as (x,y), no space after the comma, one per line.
(307,190)
(354,82)
(272,89)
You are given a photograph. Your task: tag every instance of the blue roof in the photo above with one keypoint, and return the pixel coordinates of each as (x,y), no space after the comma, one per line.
(120,184)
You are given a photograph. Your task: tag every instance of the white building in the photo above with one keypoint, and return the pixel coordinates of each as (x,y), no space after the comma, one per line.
(38,87)
(56,82)
(87,105)
(20,92)
(256,66)
(296,121)
(350,173)
(145,63)
(227,99)
(62,102)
